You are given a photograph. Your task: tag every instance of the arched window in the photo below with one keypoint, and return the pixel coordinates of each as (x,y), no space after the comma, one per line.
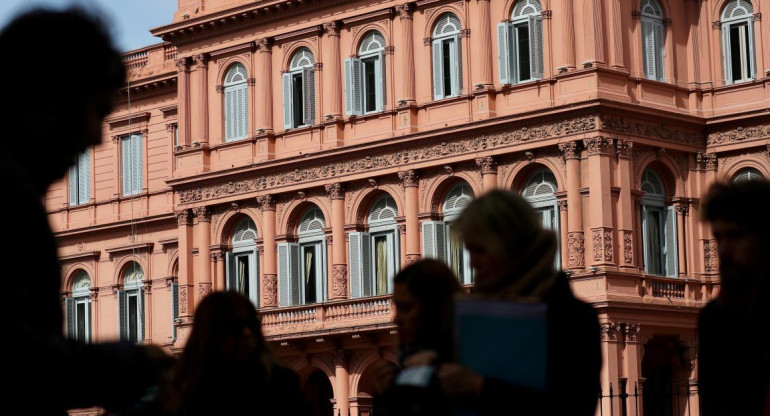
(365,81)
(78,308)
(302,265)
(236,103)
(748,174)
(243,262)
(658,228)
(539,192)
(131,304)
(520,44)
(653,40)
(737,25)
(447,57)
(374,255)
(299,90)
(438,240)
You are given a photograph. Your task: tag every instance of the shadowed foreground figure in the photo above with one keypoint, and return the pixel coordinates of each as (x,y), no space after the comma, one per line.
(227,368)
(60,75)
(733,370)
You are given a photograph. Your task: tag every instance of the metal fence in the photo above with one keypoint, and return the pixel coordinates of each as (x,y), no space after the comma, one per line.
(624,400)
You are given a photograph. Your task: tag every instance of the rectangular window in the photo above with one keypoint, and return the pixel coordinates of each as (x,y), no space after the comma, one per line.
(297,99)
(370,85)
(80,179)
(131,158)
(242,274)
(81,322)
(654,241)
(310,270)
(739,54)
(381,266)
(133,317)
(446,76)
(522,49)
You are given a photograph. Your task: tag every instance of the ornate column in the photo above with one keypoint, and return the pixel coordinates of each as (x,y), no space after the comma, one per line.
(616,35)
(632,354)
(681,216)
(488,167)
(184,226)
(265,91)
(484,45)
(217,271)
(707,165)
(600,200)
(563,234)
(342,379)
(201,115)
(94,297)
(203,264)
(626,208)
(611,334)
(183,108)
(269,268)
(410,181)
(333,75)
(406,73)
(593,31)
(568,46)
(339,262)
(575,237)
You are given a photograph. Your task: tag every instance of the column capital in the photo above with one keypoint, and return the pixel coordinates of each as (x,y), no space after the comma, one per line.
(706,161)
(570,150)
(201,59)
(624,148)
(340,358)
(598,145)
(202,214)
(562,205)
(182,64)
(610,331)
(409,178)
(266,202)
(184,217)
(335,190)
(405,10)
(631,331)
(682,209)
(265,45)
(332,28)
(487,164)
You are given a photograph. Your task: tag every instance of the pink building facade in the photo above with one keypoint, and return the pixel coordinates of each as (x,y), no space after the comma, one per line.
(303,151)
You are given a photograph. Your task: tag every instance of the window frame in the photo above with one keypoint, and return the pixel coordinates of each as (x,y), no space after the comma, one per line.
(79,179)
(244,248)
(654,202)
(81,295)
(230,94)
(306,88)
(509,53)
(746,46)
(128,163)
(133,288)
(454,39)
(654,52)
(546,202)
(450,216)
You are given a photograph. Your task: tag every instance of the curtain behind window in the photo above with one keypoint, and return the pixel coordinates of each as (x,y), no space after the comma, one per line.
(654,243)
(456,254)
(381,251)
(242,276)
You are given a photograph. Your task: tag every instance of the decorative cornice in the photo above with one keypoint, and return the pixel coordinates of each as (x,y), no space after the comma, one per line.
(233,50)
(624,147)
(598,145)
(739,134)
(88,255)
(335,190)
(661,131)
(487,165)
(706,161)
(129,248)
(168,243)
(266,202)
(139,117)
(265,44)
(184,217)
(202,214)
(201,59)
(311,31)
(332,28)
(405,10)
(168,110)
(570,150)
(409,178)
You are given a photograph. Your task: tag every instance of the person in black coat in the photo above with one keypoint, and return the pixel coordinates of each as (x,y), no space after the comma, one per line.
(60,75)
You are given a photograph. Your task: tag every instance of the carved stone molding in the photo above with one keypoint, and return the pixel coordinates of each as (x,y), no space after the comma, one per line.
(602,245)
(706,161)
(402,229)
(332,28)
(628,250)
(562,205)
(251,81)
(202,214)
(408,178)
(265,44)
(418,153)
(631,331)
(625,147)
(266,202)
(487,164)
(184,217)
(427,41)
(570,150)
(204,289)
(182,64)
(182,299)
(335,190)
(270,290)
(598,145)
(329,239)
(610,331)
(219,89)
(412,259)
(576,250)
(738,134)
(663,131)
(683,209)
(201,59)
(405,10)
(711,261)
(340,280)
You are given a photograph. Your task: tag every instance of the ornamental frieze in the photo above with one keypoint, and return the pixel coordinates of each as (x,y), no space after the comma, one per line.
(400,158)
(738,134)
(645,129)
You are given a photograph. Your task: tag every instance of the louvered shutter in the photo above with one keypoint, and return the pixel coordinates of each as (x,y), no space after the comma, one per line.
(230,270)
(645,240)
(140,320)
(229,114)
(536,46)
(504,53)
(438,71)
(308,96)
(242,107)
(648,47)
(122,306)
(89,334)
(382,84)
(255,285)
(660,51)
(355,255)
(457,65)
(726,61)
(84,177)
(672,264)
(138,163)
(174,308)
(284,266)
(288,120)
(125,158)
(73,184)
(434,240)
(750,46)
(69,306)
(353,90)
(295,278)
(367,288)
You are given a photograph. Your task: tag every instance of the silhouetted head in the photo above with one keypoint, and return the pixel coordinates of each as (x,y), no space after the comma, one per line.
(507,244)
(424,297)
(60,76)
(741,225)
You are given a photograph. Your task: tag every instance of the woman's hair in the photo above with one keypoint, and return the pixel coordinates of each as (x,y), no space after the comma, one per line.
(433,286)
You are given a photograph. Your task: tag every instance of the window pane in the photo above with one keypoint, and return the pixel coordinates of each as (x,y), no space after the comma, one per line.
(735,52)
(446,47)
(381,264)
(242,270)
(308,253)
(456,255)
(133,321)
(80,322)
(522,47)
(745,52)
(297,99)
(370,85)
(654,243)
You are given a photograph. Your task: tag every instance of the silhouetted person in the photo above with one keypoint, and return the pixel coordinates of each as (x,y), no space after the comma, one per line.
(226,367)
(734,365)
(513,258)
(60,73)
(423,294)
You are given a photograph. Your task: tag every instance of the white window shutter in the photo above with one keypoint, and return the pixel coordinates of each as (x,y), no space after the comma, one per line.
(229,114)
(140,320)
(353,89)
(122,306)
(136,162)
(355,259)
(89,320)
(434,240)
(73,184)
(648,48)
(382,84)
(288,119)
(308,96)
(69,305)
(254,286)
(536,47)
(244,107)
(672,264)
(295,279)
(367,286)
(660,51)
(645,240)
(174,308)
(284,271)
(438,70)
(504,53)
(84,177)
(726,56)
(750,51)
(125,158)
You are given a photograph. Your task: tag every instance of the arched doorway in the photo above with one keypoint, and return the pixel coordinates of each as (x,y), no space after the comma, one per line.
(319,393)
(665,386)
